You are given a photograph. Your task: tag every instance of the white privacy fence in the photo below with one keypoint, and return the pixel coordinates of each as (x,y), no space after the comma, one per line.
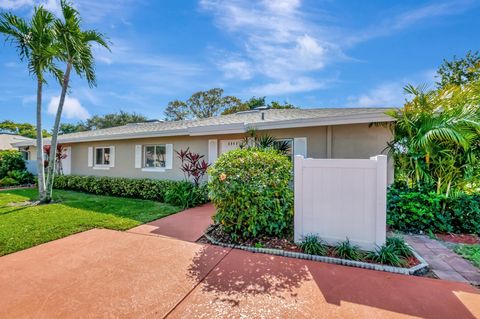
(31,166)
(341,198)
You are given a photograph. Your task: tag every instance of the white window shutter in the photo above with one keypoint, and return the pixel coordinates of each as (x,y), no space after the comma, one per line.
(169,156)
(212,151)
(112,156)
(90,157)
(300,146)
(138,156)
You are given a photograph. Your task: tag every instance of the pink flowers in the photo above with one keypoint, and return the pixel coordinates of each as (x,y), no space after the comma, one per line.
(223,177)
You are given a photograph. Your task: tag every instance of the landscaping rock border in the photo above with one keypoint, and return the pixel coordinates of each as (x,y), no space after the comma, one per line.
(415,270)
(4,188)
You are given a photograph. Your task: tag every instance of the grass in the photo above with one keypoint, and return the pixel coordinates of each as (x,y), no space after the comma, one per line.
(22,227)
(470,252)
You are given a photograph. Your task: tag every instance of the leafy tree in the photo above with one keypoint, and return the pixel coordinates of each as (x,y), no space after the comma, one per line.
(437,138)
(255,102)
(23,129)
(35,43)
(200,105)
(459,71)
(75,50)
(97,122)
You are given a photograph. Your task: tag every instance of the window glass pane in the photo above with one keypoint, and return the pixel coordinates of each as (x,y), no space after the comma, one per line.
(106,156)
(99,156)
(149,156)
(160,156)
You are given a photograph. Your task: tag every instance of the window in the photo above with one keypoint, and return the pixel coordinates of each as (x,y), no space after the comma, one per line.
(102,156)
(26,155)
(287,145)
(154,156)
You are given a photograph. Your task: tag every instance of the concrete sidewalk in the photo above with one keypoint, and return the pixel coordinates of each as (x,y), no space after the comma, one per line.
(104,273)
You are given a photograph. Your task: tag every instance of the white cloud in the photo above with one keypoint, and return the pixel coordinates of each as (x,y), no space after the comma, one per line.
(277,42)
(302,84)
(384,95)
(72,109)
(15,4)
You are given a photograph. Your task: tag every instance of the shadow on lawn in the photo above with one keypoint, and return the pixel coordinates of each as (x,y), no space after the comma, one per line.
(243,274)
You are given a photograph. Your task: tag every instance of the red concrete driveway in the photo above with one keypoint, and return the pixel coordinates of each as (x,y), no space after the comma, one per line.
(110,274)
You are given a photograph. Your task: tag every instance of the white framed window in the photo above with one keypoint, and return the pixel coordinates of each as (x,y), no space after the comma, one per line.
(154,156)
(103,156)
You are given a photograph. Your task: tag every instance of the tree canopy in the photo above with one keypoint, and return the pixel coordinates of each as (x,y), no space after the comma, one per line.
(97,122)
(209,103)
(459,71)
(23,129)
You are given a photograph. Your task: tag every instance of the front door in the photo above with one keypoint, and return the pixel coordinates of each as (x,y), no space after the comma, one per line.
(228,145)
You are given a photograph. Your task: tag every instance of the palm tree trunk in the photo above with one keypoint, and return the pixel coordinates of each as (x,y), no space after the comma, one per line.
(53,145)
(40,160)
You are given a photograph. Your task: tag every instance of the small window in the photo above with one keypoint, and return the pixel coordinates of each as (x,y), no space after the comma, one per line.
(102,156)
(154,156)
(25,155)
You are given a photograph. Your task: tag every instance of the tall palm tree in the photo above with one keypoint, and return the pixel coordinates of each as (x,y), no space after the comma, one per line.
(76,51)
(34,41)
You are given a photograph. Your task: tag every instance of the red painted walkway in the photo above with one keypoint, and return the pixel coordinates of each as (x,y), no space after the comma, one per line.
(104,273)
(188,225)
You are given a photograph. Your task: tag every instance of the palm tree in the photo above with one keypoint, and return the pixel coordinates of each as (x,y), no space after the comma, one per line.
(34,41)
(76,51)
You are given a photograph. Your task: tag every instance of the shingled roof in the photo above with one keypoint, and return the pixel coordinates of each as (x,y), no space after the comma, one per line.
(234,123)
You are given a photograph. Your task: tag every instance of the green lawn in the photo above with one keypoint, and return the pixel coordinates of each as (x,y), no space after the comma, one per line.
(24,227)
(470,252)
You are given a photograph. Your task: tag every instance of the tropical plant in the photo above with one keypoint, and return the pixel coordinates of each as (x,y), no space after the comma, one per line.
(193,165)
(60,155)
(399,246)
(436,138)
(459,71)
(75,50)
(11,160)
(346,250)
(387,254)
(35,43)
(312,245)
(266,142)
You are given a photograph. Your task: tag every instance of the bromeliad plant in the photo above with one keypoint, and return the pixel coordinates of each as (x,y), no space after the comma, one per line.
(193,165)
(59,155)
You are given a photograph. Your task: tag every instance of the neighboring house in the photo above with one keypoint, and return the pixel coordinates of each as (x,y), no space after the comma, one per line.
(8,140)
(146,150)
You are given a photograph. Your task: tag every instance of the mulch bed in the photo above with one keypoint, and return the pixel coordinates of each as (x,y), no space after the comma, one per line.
(459,238)
(286,244)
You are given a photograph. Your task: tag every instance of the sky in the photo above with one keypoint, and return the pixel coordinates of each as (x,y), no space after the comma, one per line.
(311,53)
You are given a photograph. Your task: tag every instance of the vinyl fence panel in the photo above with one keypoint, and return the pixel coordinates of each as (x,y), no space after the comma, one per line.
(341,198)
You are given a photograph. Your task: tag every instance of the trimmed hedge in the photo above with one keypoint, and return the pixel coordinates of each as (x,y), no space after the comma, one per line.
(410,209)
(151,189)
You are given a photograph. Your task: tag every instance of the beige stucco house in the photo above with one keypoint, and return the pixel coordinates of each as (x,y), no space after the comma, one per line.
(7,142)
(147,150)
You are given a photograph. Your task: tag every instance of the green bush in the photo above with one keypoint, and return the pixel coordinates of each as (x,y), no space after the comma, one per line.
(11,160)
(151,189)
(346,250)
(313,246)
(8,181)
(465,213)
(22,177)
(399,246)
(251,191)
(424,210)
(186,194)
(388,255)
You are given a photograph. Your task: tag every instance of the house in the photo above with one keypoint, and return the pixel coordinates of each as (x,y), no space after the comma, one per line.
(146,150)
(8,140)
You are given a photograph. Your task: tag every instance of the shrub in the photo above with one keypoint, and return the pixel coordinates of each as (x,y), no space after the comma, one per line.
(22,177)
(387,254)
(416,210)
(465,212)
(8,181)
(410,209)
(151,189)
(346,250)
(399,246)
(186,194)
(11,160)
(314,246)
(251,191)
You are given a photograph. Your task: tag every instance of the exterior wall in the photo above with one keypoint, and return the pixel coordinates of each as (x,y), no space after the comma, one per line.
(347,141)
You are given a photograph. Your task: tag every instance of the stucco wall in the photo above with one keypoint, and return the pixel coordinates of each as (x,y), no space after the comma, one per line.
(347,141)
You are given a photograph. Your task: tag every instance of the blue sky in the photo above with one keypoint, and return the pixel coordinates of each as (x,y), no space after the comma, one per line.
(309,53)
